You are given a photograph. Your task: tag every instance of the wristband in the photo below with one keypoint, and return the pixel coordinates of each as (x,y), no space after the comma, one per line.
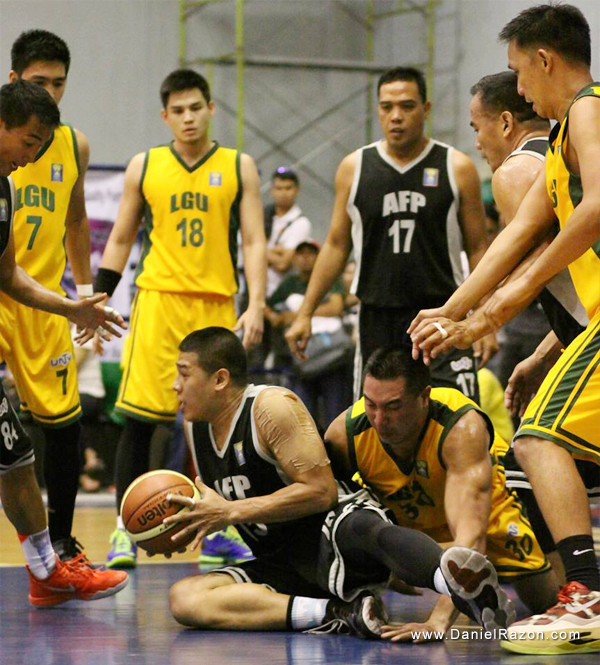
(85,290)
(107,281)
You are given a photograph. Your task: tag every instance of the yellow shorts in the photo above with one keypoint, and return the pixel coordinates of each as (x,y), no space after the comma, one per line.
(511,544)
(566,408)
(159,321)
(38,350)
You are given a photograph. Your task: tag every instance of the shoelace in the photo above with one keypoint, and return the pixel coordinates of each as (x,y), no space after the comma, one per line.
(569,593)
(122,541)
(337,626)
(80,561)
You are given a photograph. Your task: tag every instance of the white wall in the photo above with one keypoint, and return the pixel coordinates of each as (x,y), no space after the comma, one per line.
(122,49)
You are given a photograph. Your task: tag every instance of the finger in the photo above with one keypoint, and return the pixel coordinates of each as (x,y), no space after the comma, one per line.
(415,322)
(186,501)
(195,544)
(238,325)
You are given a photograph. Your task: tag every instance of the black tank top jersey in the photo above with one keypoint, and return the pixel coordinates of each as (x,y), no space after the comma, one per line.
(563,309)
(241,470)
(405,231)
(6,211)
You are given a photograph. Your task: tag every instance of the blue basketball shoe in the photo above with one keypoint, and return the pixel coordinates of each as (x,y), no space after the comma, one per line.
(123,553)
(224,547)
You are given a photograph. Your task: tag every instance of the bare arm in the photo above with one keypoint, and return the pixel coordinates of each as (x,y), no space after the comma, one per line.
(77,240)
(331,260)
(468,481)
(254,248)
(289,436)
(126,226)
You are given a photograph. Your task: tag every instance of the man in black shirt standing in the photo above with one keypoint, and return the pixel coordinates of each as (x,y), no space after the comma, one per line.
(408,205)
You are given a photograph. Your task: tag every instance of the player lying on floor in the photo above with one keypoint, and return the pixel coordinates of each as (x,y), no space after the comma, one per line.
(260,449)
(432,457)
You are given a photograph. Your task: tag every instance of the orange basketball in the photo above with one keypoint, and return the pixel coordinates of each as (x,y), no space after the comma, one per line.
(145,505)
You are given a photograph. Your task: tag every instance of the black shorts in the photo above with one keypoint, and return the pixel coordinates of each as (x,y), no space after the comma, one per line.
(381,326)
(330,577)
(15,446)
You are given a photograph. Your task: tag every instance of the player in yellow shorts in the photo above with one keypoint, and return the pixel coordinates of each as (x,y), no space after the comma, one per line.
(193,196)
(432,457)
(50,225)
(549,48)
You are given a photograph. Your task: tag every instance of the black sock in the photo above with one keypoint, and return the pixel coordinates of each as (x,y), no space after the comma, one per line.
(579,559)
(366,540)
(133,454)
(62,466)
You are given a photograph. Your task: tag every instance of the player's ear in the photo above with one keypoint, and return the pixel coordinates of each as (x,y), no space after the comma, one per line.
(545,59)
(222,379)
(508,122)
(12,76)
(427,107)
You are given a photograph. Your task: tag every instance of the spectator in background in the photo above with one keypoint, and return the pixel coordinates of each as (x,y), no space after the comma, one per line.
(325,377)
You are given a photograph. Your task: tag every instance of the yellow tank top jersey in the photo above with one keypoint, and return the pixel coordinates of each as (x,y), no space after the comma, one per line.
(565,191)
(43,193)
(416,495)
(191,222)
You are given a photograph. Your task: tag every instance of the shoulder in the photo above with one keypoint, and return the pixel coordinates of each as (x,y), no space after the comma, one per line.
(276,397)
(468,438)
(518,169)
(463,165)
(82,147)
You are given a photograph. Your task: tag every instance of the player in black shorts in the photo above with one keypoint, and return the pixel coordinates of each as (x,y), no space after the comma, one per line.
(408,205)
(28,116)
(263,467)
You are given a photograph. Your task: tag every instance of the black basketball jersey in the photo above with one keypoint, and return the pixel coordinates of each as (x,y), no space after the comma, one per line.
(405,231)
(6,211)
(559,300)
(241,470)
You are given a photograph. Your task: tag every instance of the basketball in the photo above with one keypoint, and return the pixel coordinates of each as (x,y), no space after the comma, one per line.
(145,505)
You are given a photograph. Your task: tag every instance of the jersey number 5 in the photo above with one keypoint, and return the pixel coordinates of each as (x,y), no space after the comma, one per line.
(396,228)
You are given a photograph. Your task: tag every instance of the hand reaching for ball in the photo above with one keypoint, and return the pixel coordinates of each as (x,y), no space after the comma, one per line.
(209,514)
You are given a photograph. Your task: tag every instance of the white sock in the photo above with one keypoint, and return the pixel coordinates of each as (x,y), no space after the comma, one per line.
(307,612)
(39,554)
(439,582)
(120,524)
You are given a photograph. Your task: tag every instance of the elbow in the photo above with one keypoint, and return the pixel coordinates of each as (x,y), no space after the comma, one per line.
(328,497)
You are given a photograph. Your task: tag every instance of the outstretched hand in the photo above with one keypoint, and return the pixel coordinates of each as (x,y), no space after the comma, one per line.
(298,335)
(89,314)
(432,337)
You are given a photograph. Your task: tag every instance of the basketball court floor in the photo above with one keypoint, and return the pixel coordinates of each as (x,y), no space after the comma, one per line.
(135,627)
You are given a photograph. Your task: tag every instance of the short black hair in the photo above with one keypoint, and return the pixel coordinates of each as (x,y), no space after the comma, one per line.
(498,93)
(405,74)
(563,28)
(286,173)
(218,348)
(183,79)
(21,100)
(38,45)
(394,362)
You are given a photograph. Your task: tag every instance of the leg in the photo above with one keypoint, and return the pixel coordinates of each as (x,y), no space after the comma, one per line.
(133,454)
(217,602)
(62,466)
(537,592)
(22,501)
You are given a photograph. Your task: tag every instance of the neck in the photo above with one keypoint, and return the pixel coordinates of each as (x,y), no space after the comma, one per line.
(281,210)
(525,134)
(224,417)
(406,154)
(192,152)
(569,85)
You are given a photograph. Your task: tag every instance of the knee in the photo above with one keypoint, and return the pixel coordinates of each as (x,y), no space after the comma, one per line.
(525,450)
(186,604)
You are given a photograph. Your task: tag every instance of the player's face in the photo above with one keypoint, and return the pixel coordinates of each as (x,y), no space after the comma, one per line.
(188,114)
(396,414)
(20,145)
(284,193)
(531,82)
(489,138)
(194,388)
(52,76)
(402,114)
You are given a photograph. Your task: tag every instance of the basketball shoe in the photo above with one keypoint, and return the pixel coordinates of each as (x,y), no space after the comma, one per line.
(364,617)
(571,626)
(74,580)
(70,548)
(123,553)
(225,546)
(473,583)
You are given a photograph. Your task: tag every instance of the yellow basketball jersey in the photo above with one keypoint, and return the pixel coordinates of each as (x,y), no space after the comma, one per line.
(43,195)
(565,191)
(191,222)
(416,495)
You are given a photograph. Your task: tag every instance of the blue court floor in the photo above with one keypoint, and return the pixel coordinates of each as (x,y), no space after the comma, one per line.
(135,628)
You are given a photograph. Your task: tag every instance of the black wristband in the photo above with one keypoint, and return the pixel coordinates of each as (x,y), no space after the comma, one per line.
(107,281)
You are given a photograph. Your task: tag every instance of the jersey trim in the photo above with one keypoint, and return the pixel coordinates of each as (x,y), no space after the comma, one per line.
(407,167)
(144,169)
(201,161)
(350,442)
(45,147)
(75,148)
(356,229)
(453,229)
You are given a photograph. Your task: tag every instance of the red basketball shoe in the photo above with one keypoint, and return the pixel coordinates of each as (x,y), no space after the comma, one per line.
(571,626)
(74,580)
